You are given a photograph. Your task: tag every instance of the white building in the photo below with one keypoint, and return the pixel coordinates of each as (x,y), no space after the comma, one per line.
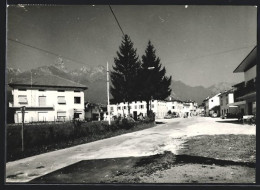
(245,92)
(139,107)
(211,103)
(189,108)
(227,98)
(47,98)
(175,106)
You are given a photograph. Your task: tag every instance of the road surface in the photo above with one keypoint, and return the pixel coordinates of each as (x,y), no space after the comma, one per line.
(164,137)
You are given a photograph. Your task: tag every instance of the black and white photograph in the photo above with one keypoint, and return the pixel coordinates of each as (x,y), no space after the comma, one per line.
(131,94)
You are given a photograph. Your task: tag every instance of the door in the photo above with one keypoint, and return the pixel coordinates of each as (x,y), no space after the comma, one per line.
(135,115)
(250,108)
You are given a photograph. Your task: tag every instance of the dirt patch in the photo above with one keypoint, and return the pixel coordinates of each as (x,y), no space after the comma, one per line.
(161,168)
(203,159)
(240,148)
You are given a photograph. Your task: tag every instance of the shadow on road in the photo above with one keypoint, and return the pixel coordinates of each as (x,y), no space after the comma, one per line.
(125,169)
(230,121)
(159,122)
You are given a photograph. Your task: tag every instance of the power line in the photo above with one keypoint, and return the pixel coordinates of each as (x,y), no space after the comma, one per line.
(116,20)
(46,51)
(216,53)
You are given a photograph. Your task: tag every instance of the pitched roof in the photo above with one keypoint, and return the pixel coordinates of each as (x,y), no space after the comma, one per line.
(248,62)
(48,81)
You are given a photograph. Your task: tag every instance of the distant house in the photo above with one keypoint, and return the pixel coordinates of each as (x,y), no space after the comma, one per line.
(212,105)
(95,112)
(47,98)
(138,107)
(245,92)
(175,106)
(189,108)
(226,101)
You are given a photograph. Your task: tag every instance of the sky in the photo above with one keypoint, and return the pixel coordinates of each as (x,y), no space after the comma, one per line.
(199,45)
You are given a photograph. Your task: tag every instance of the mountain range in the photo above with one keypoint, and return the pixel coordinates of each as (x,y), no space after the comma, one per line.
(95,79)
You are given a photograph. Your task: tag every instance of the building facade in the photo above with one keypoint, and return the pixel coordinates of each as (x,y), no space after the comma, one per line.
(245,92)
(138,107)
(212,105)
(175,106)
(47,98)
(226,101)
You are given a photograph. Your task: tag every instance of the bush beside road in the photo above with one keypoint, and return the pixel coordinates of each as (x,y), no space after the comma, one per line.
(42,138)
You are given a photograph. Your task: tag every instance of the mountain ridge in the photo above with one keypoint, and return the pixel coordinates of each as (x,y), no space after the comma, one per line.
(95,79)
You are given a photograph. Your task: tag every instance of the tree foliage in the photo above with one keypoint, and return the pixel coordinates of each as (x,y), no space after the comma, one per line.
(125,71)
(153,82)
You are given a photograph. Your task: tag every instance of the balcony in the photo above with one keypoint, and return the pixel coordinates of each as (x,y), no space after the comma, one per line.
(243,89)
(11,105)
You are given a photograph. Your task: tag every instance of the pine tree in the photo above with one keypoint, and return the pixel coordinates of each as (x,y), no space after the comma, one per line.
(154,83)
(124,74)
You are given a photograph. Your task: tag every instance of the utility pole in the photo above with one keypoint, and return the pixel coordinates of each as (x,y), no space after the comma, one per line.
(108,103)
(23,112)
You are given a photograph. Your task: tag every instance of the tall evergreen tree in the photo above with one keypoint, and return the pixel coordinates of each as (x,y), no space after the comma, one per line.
(153,82)
(124,74)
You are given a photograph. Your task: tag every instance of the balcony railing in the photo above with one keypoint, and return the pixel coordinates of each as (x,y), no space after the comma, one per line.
(11,105)
(244,89)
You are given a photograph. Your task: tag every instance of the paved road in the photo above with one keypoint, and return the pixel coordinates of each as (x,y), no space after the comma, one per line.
(168,136)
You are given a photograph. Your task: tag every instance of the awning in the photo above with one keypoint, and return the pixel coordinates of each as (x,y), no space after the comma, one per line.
(78,110)
(248,96)
(237,103)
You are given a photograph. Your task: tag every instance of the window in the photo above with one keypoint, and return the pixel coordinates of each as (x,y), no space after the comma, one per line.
(172,107)
(152,106)
(76,115)
(22,99)
(61,90)
(141,106)
(76,100)
(61,100)
(119,108)
(42,100)
(135,106)
(211,100)
(61,115)
(124,107)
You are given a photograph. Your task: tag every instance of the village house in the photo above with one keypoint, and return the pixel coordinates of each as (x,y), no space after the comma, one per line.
(245,92)
(212,105)
(95,112)
(227,98)
(139,107)
(189,108)
(47,98)
(175,106)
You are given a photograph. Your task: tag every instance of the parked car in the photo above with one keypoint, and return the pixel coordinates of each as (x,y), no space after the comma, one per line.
(167,116)
(214,115)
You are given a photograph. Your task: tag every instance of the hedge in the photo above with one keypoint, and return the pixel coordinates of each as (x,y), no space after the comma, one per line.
(38,137)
